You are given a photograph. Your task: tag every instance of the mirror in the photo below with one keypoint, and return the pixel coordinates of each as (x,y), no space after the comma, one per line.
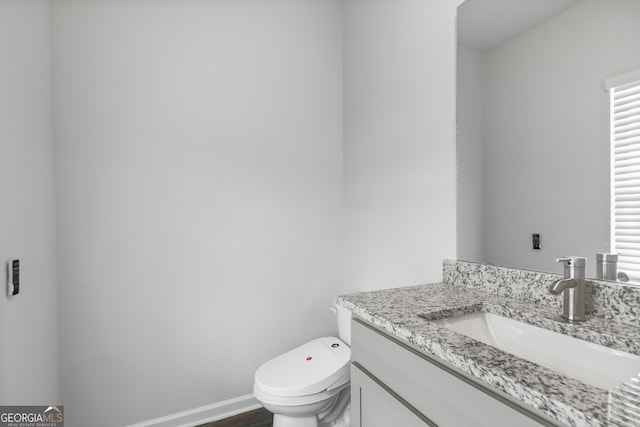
(533,126)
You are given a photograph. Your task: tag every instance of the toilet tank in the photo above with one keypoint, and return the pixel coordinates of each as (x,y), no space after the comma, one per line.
(344,323)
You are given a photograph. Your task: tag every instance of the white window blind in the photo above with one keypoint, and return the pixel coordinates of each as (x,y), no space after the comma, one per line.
(625,171)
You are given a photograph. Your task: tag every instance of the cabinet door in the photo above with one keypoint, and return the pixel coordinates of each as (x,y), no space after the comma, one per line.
(373,405)
(446,396)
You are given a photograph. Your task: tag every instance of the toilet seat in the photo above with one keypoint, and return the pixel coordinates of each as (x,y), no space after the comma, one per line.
(321,365)
(310,399)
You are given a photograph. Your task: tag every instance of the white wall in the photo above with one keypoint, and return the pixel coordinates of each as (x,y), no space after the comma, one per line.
(547,134)
(470,155)
(399,153)
(198,150)
(28,321)
(199,164)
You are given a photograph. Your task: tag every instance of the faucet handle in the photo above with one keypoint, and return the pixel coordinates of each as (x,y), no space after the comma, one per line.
(622,276)
(573,261)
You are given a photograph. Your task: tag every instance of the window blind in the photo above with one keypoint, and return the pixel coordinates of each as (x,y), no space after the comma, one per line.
(625,172)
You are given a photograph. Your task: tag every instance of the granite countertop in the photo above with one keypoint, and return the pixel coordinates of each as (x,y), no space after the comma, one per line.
(406,314)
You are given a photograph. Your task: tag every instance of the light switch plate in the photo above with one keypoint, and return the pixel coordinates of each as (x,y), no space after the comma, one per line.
(13,277)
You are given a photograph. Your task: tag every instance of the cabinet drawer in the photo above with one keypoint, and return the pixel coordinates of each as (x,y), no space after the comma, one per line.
(439,391)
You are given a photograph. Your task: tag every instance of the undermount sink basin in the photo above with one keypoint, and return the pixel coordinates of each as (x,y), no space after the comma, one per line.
(590,363)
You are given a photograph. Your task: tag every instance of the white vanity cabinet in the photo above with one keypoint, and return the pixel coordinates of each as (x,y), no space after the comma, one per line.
(378,406)
(395,384)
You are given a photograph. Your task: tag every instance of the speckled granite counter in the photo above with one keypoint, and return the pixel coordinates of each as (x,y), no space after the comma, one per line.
(405,313)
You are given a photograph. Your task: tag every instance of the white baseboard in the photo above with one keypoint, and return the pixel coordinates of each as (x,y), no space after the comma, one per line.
(204,414)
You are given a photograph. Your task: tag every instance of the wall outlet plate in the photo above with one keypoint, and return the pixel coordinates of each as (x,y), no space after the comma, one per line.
(535,242)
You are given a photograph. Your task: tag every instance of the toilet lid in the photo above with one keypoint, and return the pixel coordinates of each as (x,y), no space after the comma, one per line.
(311,368)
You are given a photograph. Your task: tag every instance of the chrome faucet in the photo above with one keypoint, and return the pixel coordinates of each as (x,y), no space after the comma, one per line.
(606,266)
(572,287)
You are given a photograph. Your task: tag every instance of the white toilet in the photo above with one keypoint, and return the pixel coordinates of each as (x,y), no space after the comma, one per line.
(309,385)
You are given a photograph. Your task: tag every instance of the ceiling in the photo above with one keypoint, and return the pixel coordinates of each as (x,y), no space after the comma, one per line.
(486,24)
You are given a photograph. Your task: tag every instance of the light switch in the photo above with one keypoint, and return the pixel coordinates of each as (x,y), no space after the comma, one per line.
(13,281)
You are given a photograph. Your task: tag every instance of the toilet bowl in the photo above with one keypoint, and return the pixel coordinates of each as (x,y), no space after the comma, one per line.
(309,385)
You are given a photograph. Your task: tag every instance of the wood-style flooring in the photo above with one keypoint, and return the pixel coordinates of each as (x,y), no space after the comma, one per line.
(258,418)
